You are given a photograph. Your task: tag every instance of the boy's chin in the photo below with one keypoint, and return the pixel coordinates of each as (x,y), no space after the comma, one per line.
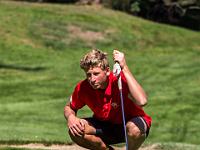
(94,87)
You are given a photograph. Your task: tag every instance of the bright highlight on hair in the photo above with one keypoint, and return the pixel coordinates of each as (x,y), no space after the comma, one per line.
(95,58)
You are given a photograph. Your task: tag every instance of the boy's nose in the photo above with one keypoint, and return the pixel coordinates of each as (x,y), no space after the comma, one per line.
(93,79)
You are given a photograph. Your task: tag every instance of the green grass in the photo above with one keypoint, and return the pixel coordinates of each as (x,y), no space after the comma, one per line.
(39,67)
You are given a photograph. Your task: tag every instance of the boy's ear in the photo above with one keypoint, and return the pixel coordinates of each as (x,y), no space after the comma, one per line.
(108,71)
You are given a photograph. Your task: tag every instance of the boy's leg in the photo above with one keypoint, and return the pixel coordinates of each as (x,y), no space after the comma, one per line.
(100,134)
(89,140)
(137,131)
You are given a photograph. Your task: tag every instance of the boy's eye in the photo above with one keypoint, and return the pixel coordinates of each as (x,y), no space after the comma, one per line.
(88,75)
(96,73)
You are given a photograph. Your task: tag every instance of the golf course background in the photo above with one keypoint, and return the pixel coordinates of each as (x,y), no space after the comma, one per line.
(40,49)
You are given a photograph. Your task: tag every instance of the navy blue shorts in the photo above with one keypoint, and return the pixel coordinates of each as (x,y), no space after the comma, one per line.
(114,133)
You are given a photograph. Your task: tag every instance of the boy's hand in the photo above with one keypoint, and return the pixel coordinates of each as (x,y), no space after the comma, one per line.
(76,125)
(119,57)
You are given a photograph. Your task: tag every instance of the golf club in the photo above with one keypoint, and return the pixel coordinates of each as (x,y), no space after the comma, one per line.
(116,71)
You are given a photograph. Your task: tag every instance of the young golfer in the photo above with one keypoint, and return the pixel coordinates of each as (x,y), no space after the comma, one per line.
(99,91)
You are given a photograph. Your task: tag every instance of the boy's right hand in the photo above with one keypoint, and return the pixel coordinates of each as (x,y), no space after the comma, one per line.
(76,125)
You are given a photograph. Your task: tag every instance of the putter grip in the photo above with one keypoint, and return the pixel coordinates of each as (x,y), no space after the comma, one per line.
(116,71)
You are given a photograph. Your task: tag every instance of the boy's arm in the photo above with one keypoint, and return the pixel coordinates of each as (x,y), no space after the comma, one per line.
(137,93)
(75,124)
(136,90)
(68,111)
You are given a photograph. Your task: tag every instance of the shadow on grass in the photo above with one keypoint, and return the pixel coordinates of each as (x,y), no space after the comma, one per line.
(21,68)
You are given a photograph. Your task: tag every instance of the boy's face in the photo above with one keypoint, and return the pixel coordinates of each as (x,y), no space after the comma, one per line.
(97,77)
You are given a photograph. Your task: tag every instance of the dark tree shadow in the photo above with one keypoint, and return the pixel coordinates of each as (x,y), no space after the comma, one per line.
(51,1)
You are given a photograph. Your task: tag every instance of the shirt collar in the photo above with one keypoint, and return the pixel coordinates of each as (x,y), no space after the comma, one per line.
(109,87)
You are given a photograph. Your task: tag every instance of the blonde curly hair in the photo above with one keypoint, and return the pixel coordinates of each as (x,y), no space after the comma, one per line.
(94,58)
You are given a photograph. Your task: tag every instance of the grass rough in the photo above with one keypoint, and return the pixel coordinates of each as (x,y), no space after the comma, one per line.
(39,67)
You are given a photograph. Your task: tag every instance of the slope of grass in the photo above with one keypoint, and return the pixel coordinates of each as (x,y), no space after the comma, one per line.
(40,49)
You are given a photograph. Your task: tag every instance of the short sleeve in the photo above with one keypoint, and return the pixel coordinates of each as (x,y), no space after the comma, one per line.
(76,99)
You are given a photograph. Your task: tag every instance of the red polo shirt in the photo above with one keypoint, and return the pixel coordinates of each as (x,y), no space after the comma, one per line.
(106,104)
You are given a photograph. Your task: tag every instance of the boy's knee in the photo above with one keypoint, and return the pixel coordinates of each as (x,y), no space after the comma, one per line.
(84,140)
(74,138)
(133,131)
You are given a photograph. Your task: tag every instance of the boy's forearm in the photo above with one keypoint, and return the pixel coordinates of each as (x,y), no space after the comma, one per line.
(68,111)
(135,88)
